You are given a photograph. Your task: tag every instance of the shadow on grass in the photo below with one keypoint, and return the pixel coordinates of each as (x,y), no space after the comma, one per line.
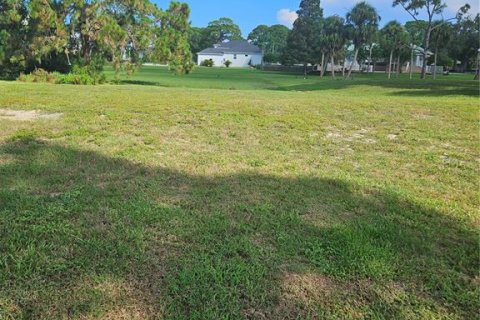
(141,83)
(413,88)
(84,235)
(403,87)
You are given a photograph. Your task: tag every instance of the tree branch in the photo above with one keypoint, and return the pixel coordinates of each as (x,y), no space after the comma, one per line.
(442,23)
(409,12)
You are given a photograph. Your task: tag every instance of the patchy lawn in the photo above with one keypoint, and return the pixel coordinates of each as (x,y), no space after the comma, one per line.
(299,199)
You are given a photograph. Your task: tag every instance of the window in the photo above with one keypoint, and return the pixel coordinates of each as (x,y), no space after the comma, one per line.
(246,55)
(234,56)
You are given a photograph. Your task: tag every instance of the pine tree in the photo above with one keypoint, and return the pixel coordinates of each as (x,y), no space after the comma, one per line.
(89,32)
(303,42)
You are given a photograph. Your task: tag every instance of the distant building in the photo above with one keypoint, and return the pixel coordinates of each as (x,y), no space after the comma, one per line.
(240,53)
(344,64)
(381,64)
(417,59)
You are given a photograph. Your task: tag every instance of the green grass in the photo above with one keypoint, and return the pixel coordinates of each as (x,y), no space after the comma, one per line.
(241,79)
(282,199)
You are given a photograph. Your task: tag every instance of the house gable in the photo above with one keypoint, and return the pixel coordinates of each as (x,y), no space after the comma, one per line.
(240,53)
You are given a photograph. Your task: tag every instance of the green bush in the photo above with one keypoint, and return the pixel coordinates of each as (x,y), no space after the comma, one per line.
(207,63)
(227,63)
(83,76)
(78,76)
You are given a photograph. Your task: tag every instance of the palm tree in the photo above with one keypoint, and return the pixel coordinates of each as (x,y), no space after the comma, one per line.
(371,45)
(364,20)
(323,48)
(441,36)
(416,30)
(393,38)
(335,38)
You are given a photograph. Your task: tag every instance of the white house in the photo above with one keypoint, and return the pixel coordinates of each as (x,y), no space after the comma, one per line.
(418,62)
(240,53)
(418,57)
(345,64)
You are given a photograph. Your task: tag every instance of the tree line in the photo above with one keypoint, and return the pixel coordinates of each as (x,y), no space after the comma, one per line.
(357,37)
(58,34)
(316,39)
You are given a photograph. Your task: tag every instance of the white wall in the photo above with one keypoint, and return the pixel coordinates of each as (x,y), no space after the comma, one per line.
(238,60)
(217,60)
(419,61)
(340,66)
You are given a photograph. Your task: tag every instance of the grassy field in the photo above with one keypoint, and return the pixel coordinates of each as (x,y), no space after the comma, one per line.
(241,79)
(231,194)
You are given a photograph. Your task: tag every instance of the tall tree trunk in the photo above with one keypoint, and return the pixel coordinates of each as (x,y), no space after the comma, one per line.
(325,65)
(435,64)
(477,74)
(321,65)
(67,54)
(343,69)
(390,65)
(399,67)
(411,62)
(355,56)
(394,66)
(305,71)
(370,58)
(332,64)
(426,44)
(85,38)
(86,50)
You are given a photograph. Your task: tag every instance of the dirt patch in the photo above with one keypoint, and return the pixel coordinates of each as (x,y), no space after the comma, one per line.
(6,159)
(334,135)
(301,294)
(392,137)
(357,136)
(28,115)
(120,300)
(308,288)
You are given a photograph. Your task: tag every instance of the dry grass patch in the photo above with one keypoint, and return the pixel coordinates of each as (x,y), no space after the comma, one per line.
(28,115)
(124,302)
(109,299)
(309,288)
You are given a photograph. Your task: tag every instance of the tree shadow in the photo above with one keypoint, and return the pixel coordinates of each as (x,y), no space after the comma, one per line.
(141,83)
(415,88)
(405,88)
(86,235)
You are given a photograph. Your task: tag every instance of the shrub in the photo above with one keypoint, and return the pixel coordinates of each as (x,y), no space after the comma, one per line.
(79,76)
(207,63)
(227,63)
(38,75)
(82,75)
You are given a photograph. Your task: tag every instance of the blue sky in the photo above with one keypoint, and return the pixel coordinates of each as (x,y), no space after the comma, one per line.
(250,13)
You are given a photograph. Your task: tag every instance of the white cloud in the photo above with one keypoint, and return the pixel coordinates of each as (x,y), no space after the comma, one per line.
(286,17)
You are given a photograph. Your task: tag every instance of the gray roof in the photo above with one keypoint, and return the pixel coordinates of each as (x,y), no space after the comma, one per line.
(235,46)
